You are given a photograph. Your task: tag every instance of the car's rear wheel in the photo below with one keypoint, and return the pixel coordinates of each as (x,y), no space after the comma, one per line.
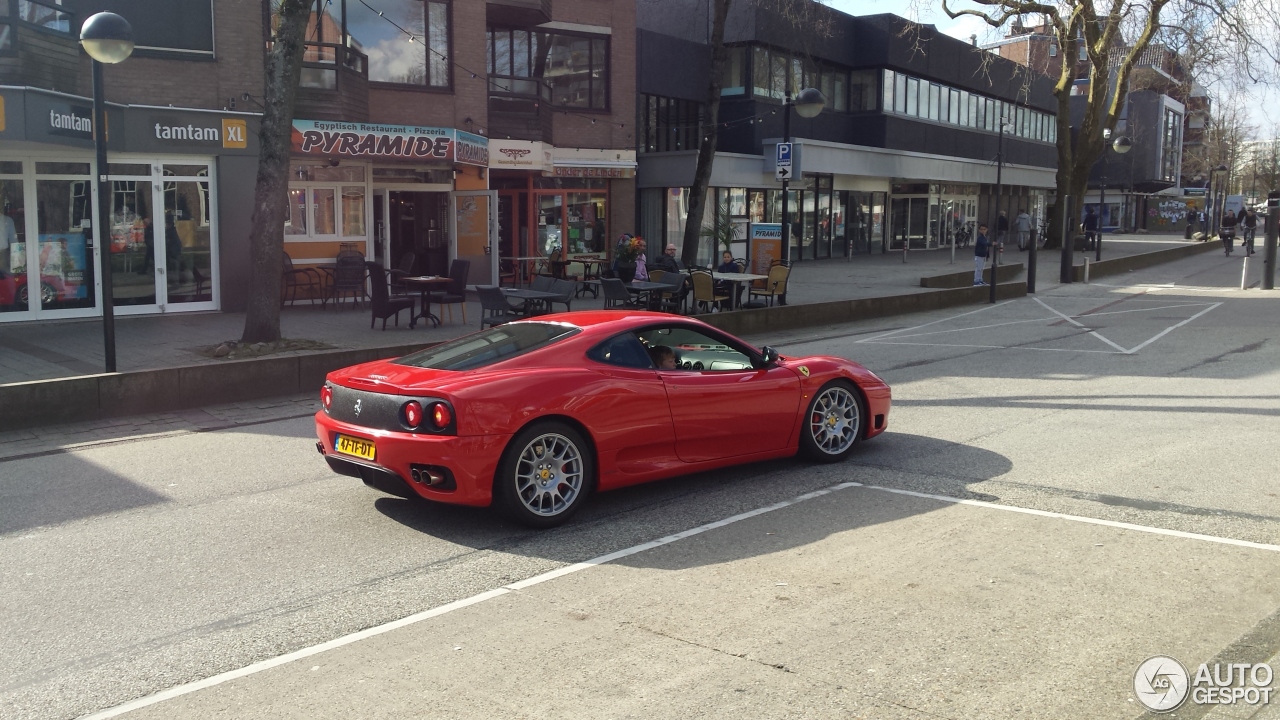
(545,475)
(833,423)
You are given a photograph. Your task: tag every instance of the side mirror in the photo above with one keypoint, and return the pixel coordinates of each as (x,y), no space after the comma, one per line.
(770,355)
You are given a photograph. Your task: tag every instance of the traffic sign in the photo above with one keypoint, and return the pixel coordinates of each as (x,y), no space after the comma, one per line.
(782,168)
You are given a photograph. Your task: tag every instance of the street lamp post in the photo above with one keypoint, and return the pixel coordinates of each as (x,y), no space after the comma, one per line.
(1121,145)
(1215,215)
(995,254)
(107,38)
(808,104)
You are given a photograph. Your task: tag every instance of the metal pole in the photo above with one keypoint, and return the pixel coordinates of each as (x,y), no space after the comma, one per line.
(1102,208)
(995,253)
(1031,264)
(1269,252)
(1244,273)
(786,220)
(103,226)
(1068,242)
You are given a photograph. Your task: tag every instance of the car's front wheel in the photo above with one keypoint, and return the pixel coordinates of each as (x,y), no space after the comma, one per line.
(833,424)
(545,475)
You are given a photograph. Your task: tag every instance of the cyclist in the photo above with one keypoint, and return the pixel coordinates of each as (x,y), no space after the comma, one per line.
(1249,225)
(1227,231)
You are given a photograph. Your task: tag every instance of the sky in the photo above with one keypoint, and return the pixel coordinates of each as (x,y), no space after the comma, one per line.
(929,12)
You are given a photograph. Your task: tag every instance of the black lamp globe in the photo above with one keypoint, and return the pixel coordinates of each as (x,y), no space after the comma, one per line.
(107,38)
(810,102)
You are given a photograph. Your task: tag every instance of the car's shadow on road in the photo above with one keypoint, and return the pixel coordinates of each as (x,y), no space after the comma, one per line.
(623,518)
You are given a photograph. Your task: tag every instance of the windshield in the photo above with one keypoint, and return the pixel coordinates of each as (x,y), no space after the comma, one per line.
(488,347)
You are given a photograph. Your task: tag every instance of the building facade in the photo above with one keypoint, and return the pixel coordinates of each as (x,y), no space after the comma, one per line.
(903,155)
(398,104)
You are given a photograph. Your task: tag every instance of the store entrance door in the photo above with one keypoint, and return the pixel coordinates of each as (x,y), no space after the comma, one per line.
(473,225)
(415,223)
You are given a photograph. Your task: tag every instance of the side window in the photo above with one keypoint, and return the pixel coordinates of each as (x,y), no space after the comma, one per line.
(623,350)
(696,350)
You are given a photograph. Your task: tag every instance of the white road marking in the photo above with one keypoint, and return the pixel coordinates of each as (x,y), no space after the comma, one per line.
(1169,329)
(935,322)
(306,652)
(1077,324)
(997,347)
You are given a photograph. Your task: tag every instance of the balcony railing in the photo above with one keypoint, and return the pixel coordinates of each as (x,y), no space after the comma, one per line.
(321,62)
(334,83)
(518,13)
(519,108)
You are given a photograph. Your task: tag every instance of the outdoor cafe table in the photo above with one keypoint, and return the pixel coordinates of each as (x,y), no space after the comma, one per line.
(525,267)
(736,278)
(425,284)
(537,296)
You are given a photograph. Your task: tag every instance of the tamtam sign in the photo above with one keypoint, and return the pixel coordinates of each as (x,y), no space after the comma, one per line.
(388,142)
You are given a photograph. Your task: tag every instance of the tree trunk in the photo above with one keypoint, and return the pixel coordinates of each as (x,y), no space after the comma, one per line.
(709,136)
(270,197)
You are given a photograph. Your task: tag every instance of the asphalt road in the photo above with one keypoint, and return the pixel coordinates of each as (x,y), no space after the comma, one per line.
(1149,402)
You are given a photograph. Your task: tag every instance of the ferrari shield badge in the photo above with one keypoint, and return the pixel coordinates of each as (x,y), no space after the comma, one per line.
(804,370)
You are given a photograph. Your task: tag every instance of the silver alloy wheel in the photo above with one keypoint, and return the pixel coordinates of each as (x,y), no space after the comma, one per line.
(835,420)
(549,474)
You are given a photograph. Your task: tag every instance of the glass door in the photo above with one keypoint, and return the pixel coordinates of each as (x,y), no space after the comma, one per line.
(188,236)
(473,226)
(135,272)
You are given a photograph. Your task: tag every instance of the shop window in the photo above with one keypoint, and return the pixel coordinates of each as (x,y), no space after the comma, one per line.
(406,41)
(297,222)
(353,211)
(13,233)
(63,213)
(325,212)
(62,168)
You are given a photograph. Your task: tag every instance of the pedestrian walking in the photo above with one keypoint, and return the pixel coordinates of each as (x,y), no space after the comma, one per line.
(1090,226)
(981,249)
(1022,225)
(1002,227)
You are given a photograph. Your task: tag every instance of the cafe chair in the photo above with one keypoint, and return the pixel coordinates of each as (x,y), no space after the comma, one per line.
(542,283)
(384,306)
(349,276)
(704,291)
(401,271)
(293,278)
(675,301)
(565,291)
(494,304)
(657,275)
(456,293)
(742,264)
(616,295)
(775,286)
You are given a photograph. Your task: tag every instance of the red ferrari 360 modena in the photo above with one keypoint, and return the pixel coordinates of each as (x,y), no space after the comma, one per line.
(533,415)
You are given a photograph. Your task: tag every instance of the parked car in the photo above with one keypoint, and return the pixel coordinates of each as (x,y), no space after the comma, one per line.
(14,291)
(534,415)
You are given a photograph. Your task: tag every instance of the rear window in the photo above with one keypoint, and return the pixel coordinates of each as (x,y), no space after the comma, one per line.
(488,347)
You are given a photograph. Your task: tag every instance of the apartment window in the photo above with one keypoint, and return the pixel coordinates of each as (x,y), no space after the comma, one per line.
(735,72)
(900,93)
(913,96)
(407,42)
(889,84)
(1171,146)
(669,124)
(934,102)
(569,70)
(953,115)
(864,93)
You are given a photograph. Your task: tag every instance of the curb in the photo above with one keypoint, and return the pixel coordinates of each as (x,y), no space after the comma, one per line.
(1119,265)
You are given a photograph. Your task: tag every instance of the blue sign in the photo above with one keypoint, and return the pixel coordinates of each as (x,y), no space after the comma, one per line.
(784,154)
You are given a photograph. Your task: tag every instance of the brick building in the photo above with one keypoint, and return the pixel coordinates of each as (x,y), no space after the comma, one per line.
(425,131)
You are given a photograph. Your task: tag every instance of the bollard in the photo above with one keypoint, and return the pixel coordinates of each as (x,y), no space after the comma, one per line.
(905,244)
(1086,269)
(1244,273)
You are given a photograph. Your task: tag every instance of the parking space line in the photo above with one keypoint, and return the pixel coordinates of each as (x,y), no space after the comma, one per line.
(1073,321)
(1082,519)
(935,322)
(997,347)
(1171,328)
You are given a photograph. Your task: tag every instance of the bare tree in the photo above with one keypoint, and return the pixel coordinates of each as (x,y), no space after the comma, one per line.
(270,198)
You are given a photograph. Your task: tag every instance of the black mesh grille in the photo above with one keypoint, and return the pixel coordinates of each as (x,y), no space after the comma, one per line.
(380,411)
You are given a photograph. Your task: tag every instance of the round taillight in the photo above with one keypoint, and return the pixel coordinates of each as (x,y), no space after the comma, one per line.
(326,397)
(441,416)
(413,413)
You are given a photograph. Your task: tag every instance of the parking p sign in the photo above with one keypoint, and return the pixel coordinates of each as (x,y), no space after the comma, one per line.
(782,169)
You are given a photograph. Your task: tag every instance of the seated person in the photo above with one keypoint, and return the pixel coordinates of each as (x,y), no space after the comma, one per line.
(664,358)
(724,287)
(668,261)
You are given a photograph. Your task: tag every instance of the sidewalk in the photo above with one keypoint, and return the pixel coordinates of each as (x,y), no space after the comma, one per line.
(58,349)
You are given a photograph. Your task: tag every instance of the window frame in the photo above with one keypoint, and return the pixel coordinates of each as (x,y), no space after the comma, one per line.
(426,51)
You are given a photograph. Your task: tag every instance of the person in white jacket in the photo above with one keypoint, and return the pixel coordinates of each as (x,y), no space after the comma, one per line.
(1022,226)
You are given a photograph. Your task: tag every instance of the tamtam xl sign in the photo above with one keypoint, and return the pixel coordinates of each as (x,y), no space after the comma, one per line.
(388,142)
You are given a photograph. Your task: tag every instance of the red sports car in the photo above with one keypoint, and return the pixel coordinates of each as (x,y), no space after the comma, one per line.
(533,415)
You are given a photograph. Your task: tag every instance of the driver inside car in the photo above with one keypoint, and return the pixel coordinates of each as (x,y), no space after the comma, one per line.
(664,358)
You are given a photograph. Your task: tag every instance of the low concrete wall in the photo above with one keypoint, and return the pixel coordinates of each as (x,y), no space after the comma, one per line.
(788,317)
(94,397)
(1116,266)
(965,278)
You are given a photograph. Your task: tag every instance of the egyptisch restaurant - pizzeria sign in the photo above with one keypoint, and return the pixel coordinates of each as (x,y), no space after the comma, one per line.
(376,141)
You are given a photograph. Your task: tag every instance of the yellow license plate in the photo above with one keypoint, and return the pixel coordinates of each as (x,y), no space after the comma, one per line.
(348,445)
